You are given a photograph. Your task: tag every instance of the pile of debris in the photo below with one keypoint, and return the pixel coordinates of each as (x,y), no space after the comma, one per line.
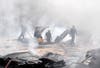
(16,61)
(92,60)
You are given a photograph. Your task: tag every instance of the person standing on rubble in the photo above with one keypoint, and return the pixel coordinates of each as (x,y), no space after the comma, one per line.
(48,36)
(37,34)
(72,34)
(23,31)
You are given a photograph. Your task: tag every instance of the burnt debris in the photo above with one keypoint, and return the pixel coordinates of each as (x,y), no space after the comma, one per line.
(92,59)
(43,62)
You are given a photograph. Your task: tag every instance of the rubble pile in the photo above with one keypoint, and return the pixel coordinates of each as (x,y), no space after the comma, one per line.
(92,60)
(19,62)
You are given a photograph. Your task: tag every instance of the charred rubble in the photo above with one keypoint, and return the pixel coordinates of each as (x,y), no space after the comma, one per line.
(43,62)
(94,57)
(92,60)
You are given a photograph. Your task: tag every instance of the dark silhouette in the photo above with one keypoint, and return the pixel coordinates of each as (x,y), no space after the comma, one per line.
(48,36)
(37,33)
(23,31)
(72,34)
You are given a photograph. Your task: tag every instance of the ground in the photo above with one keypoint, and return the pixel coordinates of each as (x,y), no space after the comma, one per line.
(71,54)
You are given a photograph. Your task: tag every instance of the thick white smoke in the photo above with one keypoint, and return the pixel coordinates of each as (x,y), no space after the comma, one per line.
(84,14)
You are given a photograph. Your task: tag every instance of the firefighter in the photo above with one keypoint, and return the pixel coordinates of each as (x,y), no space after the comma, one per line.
(37,34)
(48,36)
(72,34)
(23,31)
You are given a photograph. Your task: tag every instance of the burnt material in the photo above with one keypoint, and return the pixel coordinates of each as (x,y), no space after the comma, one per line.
(52,64)
(95,58)
(15,63)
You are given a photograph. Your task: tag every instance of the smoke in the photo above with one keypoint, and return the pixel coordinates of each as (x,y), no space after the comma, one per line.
(84,14)
(33,46)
